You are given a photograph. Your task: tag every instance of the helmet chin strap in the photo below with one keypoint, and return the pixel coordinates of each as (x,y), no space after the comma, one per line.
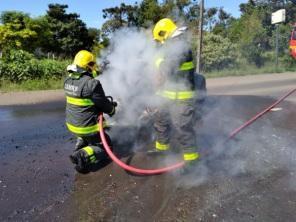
(94,73)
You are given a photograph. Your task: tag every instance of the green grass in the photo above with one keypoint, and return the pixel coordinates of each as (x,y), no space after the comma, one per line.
(30,85)
(248,70)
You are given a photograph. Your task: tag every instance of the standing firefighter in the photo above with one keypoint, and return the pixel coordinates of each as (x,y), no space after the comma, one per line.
(85,101)
(176,89)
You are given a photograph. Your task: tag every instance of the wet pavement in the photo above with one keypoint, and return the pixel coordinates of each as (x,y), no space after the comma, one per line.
(251,178)
(34,151)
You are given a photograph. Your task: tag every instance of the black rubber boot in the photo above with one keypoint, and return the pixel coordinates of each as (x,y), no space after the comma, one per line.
(78,158)
(189,167)
(156,152)
(73,157)
(80,143)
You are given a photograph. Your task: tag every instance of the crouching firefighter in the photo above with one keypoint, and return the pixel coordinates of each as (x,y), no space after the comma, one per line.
(176,91)
(85,101)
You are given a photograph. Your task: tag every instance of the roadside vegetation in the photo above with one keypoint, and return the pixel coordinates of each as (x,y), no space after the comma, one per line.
(34,52)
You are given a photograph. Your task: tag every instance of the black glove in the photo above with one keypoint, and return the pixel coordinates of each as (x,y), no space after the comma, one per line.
(114,109)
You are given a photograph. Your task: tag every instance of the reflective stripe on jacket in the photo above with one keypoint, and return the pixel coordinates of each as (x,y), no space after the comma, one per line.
(180,85)
(179,95)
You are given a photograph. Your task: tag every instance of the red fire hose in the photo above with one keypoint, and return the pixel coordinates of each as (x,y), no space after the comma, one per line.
(250,121)
(128,167)
(180,164)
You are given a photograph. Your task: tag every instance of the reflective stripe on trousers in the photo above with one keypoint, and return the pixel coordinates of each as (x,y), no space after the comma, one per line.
(84,130)
(180,117)
(90,152)
(190,156)
(161,146)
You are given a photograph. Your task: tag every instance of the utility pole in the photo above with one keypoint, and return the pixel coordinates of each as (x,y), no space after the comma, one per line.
(200,32)
(277,48)
(276,18)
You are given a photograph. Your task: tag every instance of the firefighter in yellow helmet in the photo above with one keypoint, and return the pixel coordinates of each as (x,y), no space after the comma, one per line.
(177,93)
(85,100)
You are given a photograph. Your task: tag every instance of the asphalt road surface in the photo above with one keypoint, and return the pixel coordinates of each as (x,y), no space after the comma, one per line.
(250,178)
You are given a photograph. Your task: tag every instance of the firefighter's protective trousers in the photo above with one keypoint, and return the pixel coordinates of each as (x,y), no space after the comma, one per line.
(177,115)
(177,109)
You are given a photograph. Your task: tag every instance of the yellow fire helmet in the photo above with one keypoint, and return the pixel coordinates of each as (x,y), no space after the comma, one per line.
(163,29)
(85,60)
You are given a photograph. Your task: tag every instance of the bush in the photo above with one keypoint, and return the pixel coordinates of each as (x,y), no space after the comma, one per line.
(14,65)
(218,52)
(253,53)
(289,62)
(52,68)
(18,66)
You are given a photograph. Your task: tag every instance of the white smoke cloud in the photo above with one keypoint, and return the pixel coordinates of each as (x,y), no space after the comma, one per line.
(131,73)
(259,150)
(130,80)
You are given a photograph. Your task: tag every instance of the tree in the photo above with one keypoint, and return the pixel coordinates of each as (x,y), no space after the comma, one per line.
(149,12)
(124,15)
(98,44)
(256,15)
(69,33)
(44,35)
(222,22)
(253,43)
(16,32)
(15,17)
(210,17)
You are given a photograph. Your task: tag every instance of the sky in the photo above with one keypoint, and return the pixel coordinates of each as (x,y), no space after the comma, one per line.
(90,11)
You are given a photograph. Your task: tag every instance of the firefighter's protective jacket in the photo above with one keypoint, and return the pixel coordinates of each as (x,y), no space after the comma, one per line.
(85,100)
(179,84)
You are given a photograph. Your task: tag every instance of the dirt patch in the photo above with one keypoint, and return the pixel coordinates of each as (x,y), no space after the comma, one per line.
(31,97)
